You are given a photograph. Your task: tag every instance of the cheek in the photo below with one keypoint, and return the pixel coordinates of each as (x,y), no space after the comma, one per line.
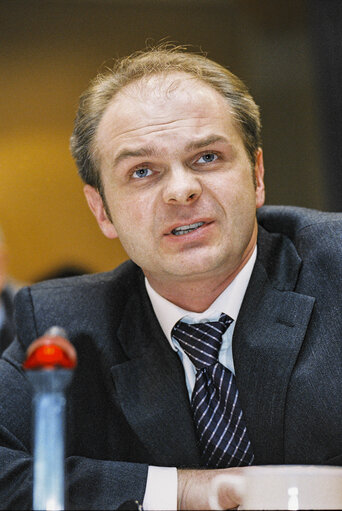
(236,199)
(131,212)
(233,192)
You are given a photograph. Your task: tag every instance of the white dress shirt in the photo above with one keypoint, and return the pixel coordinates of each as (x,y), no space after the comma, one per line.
(161,487)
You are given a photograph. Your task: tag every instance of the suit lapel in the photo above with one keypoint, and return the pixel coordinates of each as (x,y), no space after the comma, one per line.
(267,339)
(151,388)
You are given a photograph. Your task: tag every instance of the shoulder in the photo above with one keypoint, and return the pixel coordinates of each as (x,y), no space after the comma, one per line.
(312,232)
(78,304)
(315,236)
(84,286)
(295,221)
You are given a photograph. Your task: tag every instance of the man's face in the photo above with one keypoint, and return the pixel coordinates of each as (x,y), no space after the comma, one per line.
(177,180)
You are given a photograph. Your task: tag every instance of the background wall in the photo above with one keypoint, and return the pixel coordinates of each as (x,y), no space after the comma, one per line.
(51,49)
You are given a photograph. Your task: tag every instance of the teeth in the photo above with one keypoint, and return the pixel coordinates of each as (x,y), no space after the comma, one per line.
(185,229)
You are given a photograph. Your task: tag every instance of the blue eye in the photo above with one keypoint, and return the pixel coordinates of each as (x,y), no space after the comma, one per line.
(207,158)
(142,173)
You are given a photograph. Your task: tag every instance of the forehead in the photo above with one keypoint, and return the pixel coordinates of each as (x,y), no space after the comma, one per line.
(163,105)
(162,87)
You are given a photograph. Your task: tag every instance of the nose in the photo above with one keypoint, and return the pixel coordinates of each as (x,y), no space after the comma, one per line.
(182,187)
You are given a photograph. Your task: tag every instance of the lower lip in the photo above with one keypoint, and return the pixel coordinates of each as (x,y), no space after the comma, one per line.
(195,235)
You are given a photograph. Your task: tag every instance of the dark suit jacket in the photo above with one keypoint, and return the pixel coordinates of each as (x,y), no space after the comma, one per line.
(128,403)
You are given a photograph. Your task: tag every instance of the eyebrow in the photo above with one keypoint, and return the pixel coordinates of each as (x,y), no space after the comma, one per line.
(150,151)
(130,153)
(198,144)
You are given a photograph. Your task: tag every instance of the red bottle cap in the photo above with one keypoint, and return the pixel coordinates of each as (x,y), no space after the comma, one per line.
(50,352)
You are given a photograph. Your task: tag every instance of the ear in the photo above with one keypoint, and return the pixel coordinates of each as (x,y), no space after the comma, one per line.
(96,206)
(259,172)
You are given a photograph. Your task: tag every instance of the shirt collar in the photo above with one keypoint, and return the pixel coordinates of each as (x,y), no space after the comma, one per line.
(229,302)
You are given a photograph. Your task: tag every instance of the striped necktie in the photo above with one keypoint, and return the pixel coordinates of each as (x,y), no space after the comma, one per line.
(221,430)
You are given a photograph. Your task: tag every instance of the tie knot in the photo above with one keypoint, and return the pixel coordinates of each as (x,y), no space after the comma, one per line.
(201,341)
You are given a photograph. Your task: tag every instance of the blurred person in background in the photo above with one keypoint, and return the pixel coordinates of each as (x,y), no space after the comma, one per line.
(62,271)
(7,292)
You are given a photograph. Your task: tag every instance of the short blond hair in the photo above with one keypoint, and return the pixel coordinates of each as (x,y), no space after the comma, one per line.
(158,60)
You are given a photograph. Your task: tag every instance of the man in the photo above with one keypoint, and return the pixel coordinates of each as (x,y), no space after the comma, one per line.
(168,144)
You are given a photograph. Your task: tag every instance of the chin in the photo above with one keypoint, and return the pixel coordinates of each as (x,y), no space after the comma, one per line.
(193,268)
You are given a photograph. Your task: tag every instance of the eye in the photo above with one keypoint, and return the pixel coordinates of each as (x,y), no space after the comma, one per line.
(207,158)
(139,173)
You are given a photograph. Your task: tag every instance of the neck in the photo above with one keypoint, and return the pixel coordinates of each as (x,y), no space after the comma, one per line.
(194,294)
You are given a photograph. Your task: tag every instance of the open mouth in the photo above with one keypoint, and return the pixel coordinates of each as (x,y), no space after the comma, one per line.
(185,229)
